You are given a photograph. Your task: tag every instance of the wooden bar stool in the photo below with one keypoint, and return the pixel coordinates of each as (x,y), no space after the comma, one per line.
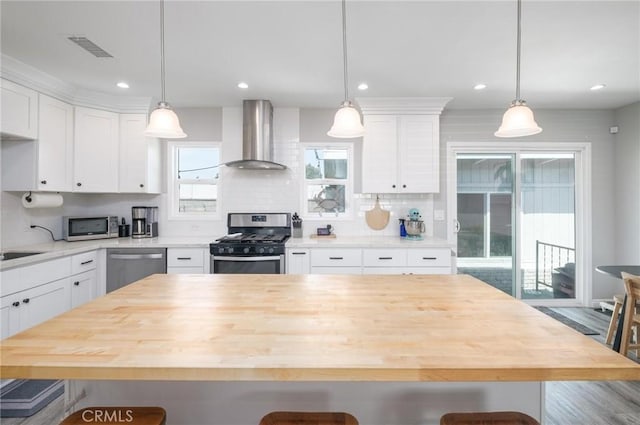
(615,315)
(308,418)
(117,415)
(631,317)
(487,418)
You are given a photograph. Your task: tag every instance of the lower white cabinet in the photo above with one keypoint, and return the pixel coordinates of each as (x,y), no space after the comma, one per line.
(35,293)
(27,308)
(397,260)
(298,261)
(187,260)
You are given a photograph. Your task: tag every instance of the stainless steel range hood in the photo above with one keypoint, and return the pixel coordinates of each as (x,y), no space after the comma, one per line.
(257,137)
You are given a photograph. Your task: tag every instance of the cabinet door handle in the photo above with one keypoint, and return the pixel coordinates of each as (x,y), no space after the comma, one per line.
(43,182)
(404,186)
(393,186)
(184,258)
(385,258)
(336,258)
(26,300)
(84,263)
(76,283)
(298,253)
(141,185)
(16,303)
(78,184)
(429,258)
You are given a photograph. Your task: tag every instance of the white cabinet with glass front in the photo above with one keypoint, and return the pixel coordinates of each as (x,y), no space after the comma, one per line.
(140,156)
(95,161)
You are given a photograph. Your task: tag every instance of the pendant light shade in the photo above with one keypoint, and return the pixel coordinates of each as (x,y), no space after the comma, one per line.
(518,121)
(346,123)
(163,122)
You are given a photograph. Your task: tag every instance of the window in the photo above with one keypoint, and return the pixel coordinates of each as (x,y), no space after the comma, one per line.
(327,189)
(194,180)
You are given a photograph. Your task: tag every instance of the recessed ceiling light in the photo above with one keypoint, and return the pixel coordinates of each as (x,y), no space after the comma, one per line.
(363,86)
(598,87)
(480,86)
(243,85)
(123,85)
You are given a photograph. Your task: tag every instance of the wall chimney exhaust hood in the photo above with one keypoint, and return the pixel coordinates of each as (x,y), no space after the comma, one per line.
(257,137)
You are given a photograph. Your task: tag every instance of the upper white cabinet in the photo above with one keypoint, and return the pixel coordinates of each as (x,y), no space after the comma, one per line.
(401,146)
(96,146)
(19,111)
(44,164)
(139,156)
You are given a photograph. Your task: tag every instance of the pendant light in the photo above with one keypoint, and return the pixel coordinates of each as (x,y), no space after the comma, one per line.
(346,123)
(518,121)
(163,122)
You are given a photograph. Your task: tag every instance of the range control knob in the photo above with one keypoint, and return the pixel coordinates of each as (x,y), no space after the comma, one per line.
(230,250)
(246,250)
(220,250)
(270,250)
(260,250)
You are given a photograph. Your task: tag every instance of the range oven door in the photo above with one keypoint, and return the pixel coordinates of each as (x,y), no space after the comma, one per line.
(273,264)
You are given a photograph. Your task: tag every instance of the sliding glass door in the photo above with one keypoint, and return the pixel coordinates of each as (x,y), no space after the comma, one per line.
(516,221)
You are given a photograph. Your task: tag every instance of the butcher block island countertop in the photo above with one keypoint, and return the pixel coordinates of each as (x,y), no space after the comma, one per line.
(409,328)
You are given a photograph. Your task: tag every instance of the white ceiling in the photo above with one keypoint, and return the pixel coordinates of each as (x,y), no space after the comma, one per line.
(291,51)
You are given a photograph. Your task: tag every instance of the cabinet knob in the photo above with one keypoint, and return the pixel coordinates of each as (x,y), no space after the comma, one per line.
(16,303)
(141,185)
(76,283)
(393,186)
(26,301)
(404,186)
(43,182)
(78,184)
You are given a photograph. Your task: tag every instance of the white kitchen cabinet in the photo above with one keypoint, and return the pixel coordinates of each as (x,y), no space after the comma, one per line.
(96,147)
(19,111)
(30,307)
(430,260)
(140,156)
(401,154)
(186,260)
(298,261)
(84,278)
(336,261)
(44,164)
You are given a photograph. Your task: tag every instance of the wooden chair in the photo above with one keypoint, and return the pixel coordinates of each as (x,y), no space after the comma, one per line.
(488,418)
(615,315)
(308,418)
(631,317)
(112,415)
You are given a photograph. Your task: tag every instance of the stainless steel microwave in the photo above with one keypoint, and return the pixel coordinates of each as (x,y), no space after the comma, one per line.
(86,228)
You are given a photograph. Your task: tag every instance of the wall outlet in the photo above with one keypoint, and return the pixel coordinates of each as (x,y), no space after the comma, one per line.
(438,215)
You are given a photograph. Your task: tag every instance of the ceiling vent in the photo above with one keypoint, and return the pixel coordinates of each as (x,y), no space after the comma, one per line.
(90,47)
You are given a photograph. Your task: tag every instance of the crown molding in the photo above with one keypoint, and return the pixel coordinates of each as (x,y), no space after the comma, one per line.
(28,76)
(402,105)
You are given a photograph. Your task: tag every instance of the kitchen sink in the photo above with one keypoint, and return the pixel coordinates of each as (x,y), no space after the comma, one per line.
(17,254)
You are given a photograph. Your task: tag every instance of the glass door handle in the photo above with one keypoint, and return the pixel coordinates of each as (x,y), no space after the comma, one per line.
(456,225)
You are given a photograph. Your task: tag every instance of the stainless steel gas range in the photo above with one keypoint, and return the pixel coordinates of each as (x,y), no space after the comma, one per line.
(254,244)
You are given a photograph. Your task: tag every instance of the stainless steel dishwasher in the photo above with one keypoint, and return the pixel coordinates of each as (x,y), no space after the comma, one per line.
(126,265)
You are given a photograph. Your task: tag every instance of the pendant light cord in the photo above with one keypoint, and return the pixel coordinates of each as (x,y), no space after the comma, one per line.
(518,52)
(162,48)
(344,48)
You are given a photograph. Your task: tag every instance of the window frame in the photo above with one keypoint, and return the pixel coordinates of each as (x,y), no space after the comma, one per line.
(348,183)
(173,191)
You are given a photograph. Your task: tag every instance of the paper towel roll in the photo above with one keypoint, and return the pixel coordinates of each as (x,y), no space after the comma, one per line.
(41,200)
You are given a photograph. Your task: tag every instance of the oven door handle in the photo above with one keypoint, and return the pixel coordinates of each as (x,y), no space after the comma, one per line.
(245,259)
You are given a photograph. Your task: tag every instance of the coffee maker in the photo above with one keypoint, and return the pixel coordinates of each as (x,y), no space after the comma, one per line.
(145,222)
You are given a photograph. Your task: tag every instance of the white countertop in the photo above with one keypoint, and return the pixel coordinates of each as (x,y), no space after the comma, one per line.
(52,250)
(347,241)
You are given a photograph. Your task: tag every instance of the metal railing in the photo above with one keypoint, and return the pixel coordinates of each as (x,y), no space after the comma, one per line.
(549,257)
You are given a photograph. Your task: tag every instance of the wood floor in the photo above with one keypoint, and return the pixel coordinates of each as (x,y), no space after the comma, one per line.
(567,403)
